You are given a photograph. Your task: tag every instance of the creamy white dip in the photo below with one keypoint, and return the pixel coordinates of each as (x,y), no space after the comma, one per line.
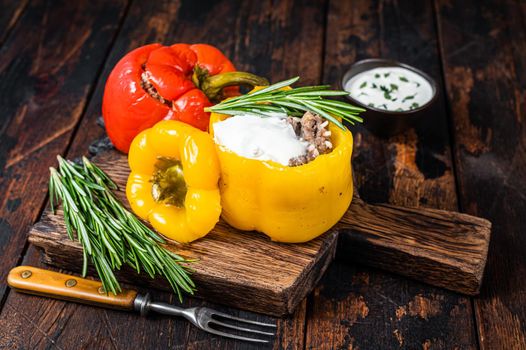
(263,138)
(390,88)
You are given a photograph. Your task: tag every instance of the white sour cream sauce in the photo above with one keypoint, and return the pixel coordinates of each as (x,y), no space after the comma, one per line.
(390,88)
(263,138)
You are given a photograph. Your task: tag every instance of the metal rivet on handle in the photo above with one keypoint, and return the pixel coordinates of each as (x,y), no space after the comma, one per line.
(71,283)
(26,274)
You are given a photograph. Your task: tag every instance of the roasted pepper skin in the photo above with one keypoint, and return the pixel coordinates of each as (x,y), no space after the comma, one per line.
(196,151)
(288,204)
(128,108)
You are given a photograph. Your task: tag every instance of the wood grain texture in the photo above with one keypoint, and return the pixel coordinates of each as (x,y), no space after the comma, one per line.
(47,69)
(11,11)
(439,247)
(412,169)
(483,49)
(355,307)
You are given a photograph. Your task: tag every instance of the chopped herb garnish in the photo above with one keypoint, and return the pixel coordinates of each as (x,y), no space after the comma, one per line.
(371,104)
(386,74)
(410,97)
(364,84)
(394,99)
(377,75)
(375,86)
(384,105)
(414,105)
(399,109)
(362,94)
(417,84)
(386,91)
(404,79)
(394,87)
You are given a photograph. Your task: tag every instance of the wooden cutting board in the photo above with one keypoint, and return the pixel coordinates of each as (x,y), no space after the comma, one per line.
(248,271)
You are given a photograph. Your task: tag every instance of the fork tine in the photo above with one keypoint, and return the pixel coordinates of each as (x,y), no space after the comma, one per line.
(220,314)
(233,336)
(249,330)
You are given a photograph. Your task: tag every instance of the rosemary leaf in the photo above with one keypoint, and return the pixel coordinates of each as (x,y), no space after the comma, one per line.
(291,101)
(110,235)
(322,93)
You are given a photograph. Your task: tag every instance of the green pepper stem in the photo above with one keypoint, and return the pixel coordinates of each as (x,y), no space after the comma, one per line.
(212,85)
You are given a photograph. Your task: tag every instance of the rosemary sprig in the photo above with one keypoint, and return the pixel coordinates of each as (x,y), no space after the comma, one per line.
(293,102)
(111,235)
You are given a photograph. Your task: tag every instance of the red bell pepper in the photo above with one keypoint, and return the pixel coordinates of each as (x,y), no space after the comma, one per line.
(156,82)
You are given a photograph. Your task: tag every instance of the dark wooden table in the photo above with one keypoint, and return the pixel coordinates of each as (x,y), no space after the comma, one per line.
(54,60)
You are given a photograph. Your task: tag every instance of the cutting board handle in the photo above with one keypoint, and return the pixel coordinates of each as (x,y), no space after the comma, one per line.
(443,248)
(32,280)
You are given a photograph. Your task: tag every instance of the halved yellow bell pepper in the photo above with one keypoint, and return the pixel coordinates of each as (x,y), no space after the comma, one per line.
(174,180)
(289,204)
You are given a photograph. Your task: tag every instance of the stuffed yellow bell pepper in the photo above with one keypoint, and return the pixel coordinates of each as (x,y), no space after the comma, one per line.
(289,204)
(174,180)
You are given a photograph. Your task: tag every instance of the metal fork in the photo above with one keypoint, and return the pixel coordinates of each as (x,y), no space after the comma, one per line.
(32,280)
(203,318)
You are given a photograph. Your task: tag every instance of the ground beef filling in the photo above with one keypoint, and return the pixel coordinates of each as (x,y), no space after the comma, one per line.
(313,129)
(147,86)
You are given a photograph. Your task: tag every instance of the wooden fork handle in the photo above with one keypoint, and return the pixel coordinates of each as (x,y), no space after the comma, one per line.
(32,280)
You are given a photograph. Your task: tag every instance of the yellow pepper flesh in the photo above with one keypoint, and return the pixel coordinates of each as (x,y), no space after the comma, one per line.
(196,152)
(289,204)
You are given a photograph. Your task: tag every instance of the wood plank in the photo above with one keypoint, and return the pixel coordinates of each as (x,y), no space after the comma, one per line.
(483,49)
(356,307)
(47,69)
(242,270)
(439,247)
(11,11)
(240,29)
